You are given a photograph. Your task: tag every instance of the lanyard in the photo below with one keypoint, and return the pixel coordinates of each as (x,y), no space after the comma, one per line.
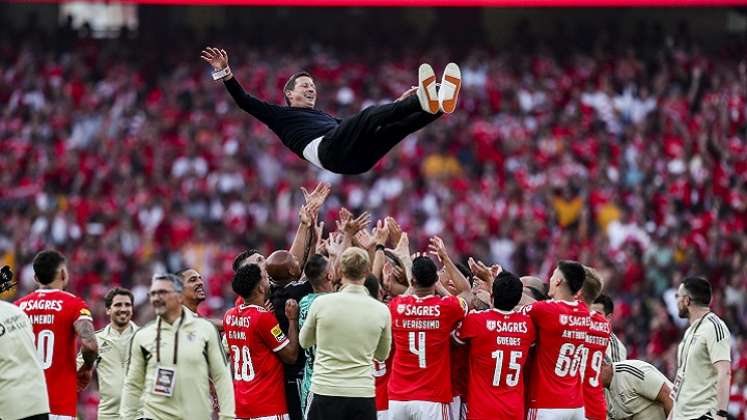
(686,351)
(176,339)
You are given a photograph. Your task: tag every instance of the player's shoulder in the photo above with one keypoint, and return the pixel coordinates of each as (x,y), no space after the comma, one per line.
(633,368)
(144,330)
(10,309)
(715,326)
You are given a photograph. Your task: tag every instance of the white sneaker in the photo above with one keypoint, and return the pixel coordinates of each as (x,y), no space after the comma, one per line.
(427,94)
(448,92)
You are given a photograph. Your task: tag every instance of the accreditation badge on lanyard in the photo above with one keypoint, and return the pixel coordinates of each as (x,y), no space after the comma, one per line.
(164,381)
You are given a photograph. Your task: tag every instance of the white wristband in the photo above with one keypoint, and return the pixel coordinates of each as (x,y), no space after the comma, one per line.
(221,73)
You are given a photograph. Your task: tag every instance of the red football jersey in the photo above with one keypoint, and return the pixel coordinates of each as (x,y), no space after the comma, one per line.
(421,329)
(53,313)
(254,336)
(382,370)
(597,340)
(499,345)
(555,379)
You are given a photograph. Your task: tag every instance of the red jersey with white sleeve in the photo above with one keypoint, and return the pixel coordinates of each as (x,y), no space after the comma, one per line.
(597,340)
(555,377)
(382,370)
(421,330)
(53,314)
(254,336)
(499,346)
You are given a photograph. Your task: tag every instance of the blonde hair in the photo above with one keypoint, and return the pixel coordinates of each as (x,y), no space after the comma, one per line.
(354,263)
(593,285)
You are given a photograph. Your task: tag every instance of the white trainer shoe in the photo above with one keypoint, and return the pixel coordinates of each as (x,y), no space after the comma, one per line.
(448,92)
(427,92)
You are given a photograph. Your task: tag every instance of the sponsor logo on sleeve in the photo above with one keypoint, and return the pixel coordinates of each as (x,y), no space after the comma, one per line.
(278,334)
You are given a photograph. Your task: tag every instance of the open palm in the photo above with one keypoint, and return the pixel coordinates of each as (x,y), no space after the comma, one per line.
(215,57)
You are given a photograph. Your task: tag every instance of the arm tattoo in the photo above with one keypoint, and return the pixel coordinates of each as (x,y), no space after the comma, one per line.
(89,347)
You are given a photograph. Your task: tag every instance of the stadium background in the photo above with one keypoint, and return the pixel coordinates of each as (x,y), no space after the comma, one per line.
(611,136)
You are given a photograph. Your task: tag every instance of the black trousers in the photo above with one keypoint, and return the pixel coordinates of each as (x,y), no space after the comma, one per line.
(324,407)
(293,399)
(363,139)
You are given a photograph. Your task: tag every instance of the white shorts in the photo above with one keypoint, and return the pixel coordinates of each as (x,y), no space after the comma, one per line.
(556,414)
(382,415)
(56,417)
(457,409)
(418,410)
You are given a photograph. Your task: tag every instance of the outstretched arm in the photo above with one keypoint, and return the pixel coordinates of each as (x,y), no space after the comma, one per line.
(218,59)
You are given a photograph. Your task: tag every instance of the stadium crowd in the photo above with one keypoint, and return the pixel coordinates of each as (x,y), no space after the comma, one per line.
(631,159)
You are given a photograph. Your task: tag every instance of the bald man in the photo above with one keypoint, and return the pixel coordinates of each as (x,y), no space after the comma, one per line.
(284,271)
(534,290)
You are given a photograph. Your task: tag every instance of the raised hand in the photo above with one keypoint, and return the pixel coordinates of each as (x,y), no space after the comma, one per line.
(215,57)
(480,270)
(352,226)
(437,247)
(395,231)
(318,195)
(380,233)
(291,310)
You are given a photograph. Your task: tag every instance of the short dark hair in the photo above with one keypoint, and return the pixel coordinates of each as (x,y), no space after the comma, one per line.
(424,271)
(574,275)
(46,264)
(699,289)
(372,284)
(507,291)
(241,257)
(181,272)
(291,83)
(117,291)
(316,268)
(246,280)
(607,303)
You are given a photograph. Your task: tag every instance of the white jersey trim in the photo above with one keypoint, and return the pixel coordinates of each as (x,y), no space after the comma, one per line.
(281,346)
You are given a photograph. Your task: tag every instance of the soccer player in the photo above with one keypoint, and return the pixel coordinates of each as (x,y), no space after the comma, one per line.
(283,270)
(194,288)
(499,340)
(382,370)
(345,146)
(597,342)
(317,274)
(22,384)
(420,382)
(535,290)
(555,380)
(616,351)
(701,387)
(114,344)
(57,317)
(173,360)
(636,391)
(258,347)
